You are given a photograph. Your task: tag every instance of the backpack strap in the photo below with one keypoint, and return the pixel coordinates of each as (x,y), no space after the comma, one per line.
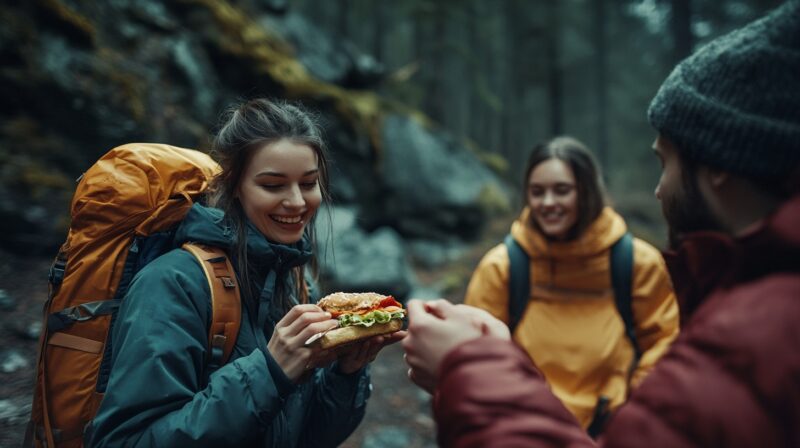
(226,307)
(519,290)
(621,280)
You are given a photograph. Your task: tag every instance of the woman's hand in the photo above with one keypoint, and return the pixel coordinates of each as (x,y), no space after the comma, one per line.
(436,328)
(287,344)
(355,356)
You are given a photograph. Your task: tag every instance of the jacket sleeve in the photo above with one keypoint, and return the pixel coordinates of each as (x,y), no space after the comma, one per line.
(491,395)
(655,309)
(157,393)
(338,406)
(488,287)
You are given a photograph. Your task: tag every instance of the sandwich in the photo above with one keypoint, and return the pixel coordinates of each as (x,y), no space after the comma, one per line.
(360,316)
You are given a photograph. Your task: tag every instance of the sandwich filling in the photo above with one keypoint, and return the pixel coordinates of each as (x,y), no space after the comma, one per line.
(362,309)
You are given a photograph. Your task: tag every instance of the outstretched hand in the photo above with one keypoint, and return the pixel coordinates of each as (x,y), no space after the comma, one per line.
(435,328)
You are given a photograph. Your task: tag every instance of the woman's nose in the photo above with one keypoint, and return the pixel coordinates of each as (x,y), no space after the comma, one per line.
(294,197)
(548,198)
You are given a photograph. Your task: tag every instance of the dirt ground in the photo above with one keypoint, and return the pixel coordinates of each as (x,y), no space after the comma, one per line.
(398,413)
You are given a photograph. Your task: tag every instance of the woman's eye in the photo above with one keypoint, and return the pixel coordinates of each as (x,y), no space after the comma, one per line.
(309,185)
(562,190)
(536,192)
(271,187)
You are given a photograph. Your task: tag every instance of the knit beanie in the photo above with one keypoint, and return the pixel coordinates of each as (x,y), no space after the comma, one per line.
(735,104)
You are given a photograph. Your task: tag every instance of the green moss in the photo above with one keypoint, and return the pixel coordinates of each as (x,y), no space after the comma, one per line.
(40,181)
(494,162)
(244,38)
(493,200)
(271,56)
(81,24)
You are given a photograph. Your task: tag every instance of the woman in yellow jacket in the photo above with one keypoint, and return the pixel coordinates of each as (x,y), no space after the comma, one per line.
(571,327)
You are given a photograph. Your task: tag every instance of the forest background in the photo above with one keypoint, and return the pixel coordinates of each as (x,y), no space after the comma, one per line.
(429,107)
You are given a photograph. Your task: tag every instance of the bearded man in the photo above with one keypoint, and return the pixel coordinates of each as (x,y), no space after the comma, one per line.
(728,122)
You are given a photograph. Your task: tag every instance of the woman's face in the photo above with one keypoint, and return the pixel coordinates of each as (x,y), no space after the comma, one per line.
(553,198)
(280,190)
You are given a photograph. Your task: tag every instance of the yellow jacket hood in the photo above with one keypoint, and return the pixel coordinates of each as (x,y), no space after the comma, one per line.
(601,234)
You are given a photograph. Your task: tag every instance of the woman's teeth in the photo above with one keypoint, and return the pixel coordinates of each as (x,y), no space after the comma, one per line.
(551,216)
(287,219)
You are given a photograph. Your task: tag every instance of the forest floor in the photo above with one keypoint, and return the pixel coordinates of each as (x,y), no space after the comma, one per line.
(398,413)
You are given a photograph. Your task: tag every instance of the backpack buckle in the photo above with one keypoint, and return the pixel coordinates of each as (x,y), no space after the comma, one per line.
(56,273)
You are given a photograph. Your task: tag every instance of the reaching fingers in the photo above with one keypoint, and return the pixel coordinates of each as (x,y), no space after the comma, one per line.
(439,308)
(417,313)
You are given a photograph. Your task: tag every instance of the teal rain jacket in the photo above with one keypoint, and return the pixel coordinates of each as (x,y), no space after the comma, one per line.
(160,391)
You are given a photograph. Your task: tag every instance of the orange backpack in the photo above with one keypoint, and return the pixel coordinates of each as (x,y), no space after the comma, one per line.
(124,212)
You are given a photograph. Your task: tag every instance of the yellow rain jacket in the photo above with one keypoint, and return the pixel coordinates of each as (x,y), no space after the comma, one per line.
(571,327)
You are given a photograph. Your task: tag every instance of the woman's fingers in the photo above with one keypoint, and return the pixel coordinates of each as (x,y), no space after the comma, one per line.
(295,312)
(393,338)
(299,317)
(311,329)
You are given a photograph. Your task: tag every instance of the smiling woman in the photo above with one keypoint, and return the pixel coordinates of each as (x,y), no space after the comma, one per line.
(274,390)
(280,190)
(553,198)
(571,325)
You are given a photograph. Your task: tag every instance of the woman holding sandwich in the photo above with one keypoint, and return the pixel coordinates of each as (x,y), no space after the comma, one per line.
(571,320)
(274,390)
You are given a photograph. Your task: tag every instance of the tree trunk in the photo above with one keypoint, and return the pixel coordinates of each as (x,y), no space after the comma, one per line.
(435,92)
(601,88)
(555,93)
(681,26)
(378,30)
(342,20)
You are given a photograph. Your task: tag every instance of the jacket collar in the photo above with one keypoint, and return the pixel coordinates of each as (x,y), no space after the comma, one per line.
(207,225)
(708,261)
(265,255)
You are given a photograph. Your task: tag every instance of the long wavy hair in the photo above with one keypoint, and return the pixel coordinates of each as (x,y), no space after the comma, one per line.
(245,129)
(589,182)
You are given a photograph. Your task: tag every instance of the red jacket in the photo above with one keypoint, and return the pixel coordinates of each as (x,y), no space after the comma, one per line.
(732,378)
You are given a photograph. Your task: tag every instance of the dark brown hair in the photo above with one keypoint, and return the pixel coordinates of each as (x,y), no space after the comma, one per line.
(589,183)
(247,128)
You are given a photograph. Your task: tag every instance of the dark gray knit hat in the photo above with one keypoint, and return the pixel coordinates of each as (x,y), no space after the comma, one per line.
(735,103)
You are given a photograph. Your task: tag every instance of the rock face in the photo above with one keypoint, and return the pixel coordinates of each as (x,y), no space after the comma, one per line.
(80,78)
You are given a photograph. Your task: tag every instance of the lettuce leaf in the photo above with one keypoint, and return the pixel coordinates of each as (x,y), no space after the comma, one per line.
(369,319)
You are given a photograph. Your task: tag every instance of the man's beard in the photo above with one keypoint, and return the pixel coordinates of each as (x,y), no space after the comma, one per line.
(688,211)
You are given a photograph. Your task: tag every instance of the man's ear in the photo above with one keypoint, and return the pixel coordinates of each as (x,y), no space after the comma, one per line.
(715,178)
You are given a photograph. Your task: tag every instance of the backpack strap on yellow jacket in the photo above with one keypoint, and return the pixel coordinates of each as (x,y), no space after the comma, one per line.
(226,307)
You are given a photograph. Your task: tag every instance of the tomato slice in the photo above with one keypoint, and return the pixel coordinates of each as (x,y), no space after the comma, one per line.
(389,301)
